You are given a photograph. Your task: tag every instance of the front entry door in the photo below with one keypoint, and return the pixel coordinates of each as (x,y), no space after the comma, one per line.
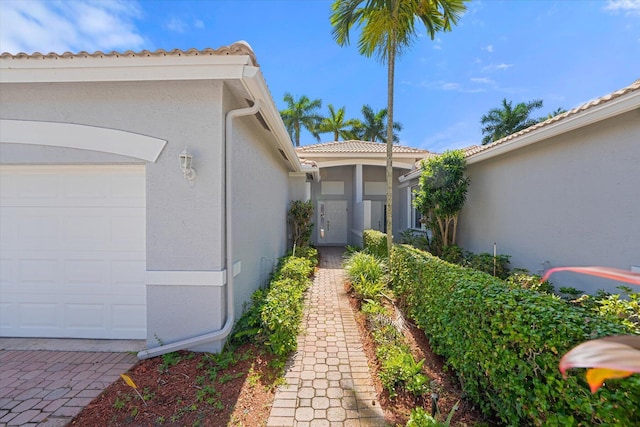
(332,220)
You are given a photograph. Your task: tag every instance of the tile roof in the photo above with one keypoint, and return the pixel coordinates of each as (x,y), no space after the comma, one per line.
(475,149)
(237,48)
(353,146)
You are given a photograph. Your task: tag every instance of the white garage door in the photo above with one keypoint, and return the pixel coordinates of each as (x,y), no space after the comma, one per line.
(72,251)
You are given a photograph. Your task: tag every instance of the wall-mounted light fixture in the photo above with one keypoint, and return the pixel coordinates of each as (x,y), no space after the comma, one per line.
(185,164)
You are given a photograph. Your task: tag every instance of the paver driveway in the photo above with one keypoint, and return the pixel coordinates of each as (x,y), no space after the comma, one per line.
(48,388)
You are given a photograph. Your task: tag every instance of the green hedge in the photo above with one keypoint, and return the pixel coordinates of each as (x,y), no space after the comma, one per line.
(375,242)
(505,344)
(276,312)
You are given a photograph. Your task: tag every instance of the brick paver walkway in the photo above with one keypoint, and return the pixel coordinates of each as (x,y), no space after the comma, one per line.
(49,388)
(328,383)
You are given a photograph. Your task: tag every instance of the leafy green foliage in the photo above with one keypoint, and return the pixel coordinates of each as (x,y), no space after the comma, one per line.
(416,238)
(505,344)
(521,278)
(367,275)
(275,313)
(442,191)
(496,266)
(420,418)
(301,113)
(622,308)
(506,120)
(307,252)
(299,217)
(375,243)
(399,369)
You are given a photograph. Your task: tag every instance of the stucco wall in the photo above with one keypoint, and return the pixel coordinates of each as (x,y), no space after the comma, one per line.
(183,221)
(573,200)
(261,200)
(185,228)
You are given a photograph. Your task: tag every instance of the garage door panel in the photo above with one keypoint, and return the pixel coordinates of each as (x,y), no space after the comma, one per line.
(39,316)
(72,241)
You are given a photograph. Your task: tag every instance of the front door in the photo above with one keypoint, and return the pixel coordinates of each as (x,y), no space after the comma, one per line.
(332,220)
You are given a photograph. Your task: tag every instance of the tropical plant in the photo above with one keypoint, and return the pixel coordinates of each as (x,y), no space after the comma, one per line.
(551,115)
(301,113)
(442,191)
(336,123)
(299,218)
(506,120)
(373,127)
(388,27)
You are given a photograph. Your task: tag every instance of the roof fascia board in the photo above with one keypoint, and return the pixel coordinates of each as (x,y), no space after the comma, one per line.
(360,155)
(365,162)
(64,70)
(590,116)
(256,85)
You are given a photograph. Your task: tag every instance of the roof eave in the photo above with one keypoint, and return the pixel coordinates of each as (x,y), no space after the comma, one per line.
(255,84)
(110,68)
(592,115)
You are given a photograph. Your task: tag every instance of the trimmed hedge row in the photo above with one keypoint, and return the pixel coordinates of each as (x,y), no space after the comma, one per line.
(505,344)
(375,242)
(284,302)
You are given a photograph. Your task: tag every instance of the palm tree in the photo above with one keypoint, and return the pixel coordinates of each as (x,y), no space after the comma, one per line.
(374,128)
(388,27)
(551,115)
(337,124)
(504,121)
(301,113)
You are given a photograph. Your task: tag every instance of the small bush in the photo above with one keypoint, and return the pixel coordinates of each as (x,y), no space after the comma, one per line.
(522,279)
(505,344)
(307,252)
(375,242)
(362,265)
(416,238)
(485,262)
(275,313)
(398,369)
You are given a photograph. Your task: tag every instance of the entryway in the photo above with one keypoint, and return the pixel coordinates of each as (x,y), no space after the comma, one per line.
(332,222)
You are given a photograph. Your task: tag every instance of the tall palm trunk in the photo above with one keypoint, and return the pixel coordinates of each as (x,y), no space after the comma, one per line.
(390,78)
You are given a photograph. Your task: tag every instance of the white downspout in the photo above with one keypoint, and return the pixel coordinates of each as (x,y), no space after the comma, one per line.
(228,325)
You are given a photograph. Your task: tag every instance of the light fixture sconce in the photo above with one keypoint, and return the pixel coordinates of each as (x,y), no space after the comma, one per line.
(185,164)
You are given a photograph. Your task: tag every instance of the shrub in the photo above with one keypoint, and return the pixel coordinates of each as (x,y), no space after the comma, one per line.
(375,242)
(416,238)
(398,369)
(276,312)
(367,275)
(521,278)
(307,252)
(299,218)
(505,344)
(485,262)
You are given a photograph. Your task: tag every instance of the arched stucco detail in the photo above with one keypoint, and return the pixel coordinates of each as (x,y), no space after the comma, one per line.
(83,137)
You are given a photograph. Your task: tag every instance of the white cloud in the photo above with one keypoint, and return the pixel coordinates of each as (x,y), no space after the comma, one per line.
(492,67)
(482,80)
(629,7)
(60,26)
(488,48)
(176,25)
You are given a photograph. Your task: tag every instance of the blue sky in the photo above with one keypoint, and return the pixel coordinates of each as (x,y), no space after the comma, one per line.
(565,52)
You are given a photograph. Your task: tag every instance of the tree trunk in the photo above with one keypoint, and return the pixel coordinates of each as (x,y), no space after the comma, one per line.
(455,228)
(390,77)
